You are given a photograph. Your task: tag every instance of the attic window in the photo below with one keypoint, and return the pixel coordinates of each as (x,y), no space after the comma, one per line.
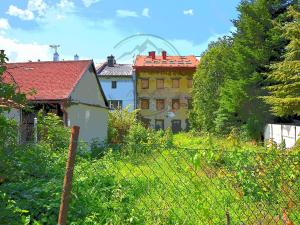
(28,68)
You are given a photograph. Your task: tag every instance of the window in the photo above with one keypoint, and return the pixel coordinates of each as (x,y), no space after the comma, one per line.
(175,83)
(115,104)
(159,83)
(145,83)
(146,122)
(159,125)
(176,126)
(189,83)
(144,103)
(190,103)
(114,84)
(175,104)
(160,104)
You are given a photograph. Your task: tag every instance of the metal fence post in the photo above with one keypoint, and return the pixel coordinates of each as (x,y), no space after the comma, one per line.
(65,197)
(35,132)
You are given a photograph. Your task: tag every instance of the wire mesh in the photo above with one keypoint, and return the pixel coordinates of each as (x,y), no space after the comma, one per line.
(192,186)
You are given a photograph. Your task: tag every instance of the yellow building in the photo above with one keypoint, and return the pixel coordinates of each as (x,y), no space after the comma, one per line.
(163,89)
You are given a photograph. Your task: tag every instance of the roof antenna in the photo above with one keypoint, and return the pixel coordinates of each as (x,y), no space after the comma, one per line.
(55,55)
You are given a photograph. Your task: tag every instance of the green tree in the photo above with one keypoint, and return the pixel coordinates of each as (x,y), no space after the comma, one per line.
(9,94)
(9,97)
(253,46)
(208,79)
(284,76)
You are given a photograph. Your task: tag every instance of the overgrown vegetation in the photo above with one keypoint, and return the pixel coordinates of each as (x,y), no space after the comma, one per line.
(150,178)
(231,78)
(134,187)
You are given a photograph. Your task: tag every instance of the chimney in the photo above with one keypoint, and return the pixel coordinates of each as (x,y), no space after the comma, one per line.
(111,61)
(164,55)
(76,57)
(55,57)
(152,54)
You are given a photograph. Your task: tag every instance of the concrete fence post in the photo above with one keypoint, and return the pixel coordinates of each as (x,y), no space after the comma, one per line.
(67,186)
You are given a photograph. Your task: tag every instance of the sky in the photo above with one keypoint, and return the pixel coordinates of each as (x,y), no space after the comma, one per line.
(94,29)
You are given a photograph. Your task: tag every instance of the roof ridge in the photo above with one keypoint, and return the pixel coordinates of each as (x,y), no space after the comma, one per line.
(39,62)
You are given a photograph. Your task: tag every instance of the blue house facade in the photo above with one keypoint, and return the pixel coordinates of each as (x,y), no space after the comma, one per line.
(118,83)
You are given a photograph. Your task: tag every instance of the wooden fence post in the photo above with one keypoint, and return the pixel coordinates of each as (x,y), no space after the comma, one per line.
(227,218)
(67,186)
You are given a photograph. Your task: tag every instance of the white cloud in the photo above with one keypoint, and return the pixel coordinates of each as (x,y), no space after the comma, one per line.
(88,3)
(66,5)
(146,12)
(37,5)
(22,52)
(126,13)
(4,25)
(188,12)
(23,14)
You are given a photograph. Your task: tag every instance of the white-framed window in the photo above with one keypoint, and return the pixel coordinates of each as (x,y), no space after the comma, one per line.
(115,104)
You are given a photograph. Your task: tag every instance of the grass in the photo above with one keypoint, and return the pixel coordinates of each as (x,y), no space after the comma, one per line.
(195,182)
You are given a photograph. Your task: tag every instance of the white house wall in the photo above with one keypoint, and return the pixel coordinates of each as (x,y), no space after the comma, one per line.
(124,90)
(87,90)
(93,121)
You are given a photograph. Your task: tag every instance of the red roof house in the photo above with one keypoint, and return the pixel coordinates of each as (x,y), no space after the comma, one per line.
(68,88)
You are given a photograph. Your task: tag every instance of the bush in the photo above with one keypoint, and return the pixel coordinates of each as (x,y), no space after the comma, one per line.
(119,124)
(146,140)
(52,131)
(8,132)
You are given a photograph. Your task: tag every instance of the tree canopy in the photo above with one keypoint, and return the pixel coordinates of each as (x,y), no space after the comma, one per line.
(231,77)
(10,97)
(284,76)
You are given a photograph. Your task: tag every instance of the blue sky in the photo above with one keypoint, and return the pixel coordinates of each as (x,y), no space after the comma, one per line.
(93,28)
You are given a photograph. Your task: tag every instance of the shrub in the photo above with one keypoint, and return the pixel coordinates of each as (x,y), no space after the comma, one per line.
(52,131)
(119,123)
(146,140)
(8,132)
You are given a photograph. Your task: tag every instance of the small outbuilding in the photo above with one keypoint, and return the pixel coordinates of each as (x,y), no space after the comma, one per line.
(70,89)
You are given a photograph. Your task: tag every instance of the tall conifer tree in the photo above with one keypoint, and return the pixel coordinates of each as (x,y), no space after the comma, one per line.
(285,75)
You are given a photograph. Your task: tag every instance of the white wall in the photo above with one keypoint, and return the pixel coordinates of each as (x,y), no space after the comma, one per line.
(279,132)
(87,90)
(93,121)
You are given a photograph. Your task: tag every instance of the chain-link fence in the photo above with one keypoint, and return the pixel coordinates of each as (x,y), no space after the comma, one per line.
(190,186)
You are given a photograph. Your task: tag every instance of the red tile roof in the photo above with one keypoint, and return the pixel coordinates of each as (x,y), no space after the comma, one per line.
(50,80)
(181,62)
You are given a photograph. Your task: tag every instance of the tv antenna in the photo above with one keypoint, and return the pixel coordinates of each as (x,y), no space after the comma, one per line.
(55,47)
